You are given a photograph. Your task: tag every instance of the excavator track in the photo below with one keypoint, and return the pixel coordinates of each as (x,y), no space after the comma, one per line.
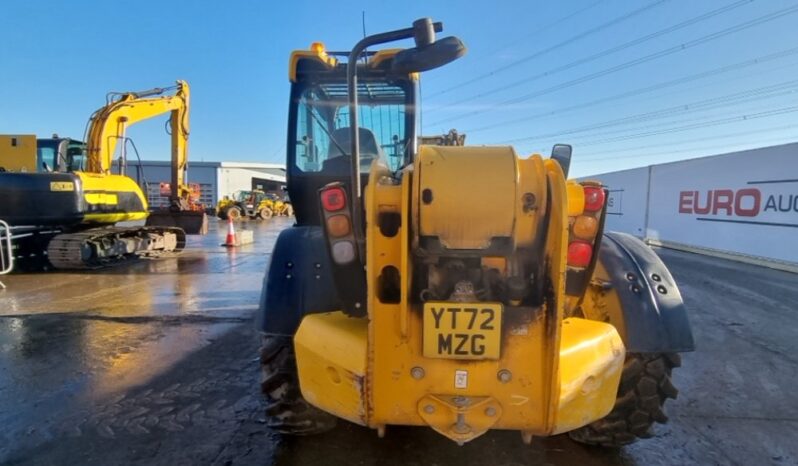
(102,247)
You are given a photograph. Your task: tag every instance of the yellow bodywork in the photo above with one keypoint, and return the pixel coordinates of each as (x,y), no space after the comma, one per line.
(110,123)
(112,198)
(18,153)
(553,373)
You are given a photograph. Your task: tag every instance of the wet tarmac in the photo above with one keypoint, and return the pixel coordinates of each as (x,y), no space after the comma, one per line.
(154,362)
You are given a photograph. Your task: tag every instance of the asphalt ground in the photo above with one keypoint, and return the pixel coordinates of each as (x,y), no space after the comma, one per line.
(155,362)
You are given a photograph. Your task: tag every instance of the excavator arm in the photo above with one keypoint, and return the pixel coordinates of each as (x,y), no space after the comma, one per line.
(109,126)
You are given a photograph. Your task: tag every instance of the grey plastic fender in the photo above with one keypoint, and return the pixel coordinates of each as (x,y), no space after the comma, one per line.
(652,313)
(298,281)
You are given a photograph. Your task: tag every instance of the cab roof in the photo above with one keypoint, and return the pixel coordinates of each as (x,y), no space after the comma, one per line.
(318,59)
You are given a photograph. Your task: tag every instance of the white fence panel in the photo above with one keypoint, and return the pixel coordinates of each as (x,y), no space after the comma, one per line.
(744,203)
(628,196)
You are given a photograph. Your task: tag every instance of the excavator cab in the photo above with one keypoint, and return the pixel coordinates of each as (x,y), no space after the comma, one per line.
(58,154)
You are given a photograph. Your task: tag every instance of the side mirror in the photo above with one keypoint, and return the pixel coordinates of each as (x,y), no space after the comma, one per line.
(561,153)
(428,57)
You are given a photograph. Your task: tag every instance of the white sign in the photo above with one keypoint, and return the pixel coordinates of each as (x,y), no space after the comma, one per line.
(745,202)
(627,200)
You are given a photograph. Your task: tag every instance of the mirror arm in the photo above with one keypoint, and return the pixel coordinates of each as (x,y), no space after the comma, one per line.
(351,79)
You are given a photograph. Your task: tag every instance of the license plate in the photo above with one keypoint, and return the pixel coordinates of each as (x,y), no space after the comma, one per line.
(462,330)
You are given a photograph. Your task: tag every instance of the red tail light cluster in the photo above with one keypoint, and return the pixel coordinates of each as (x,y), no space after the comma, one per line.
(579,253)
(584,227)
(338,223)
(594,198)
(333,199)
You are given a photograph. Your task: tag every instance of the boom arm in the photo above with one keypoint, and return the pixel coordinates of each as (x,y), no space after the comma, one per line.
(109,125)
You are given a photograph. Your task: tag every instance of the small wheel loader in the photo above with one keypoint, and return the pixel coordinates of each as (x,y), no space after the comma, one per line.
(390,303)
(253,204)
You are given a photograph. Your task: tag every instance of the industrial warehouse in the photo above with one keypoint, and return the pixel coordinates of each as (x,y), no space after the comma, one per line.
(549,234)
(216,179)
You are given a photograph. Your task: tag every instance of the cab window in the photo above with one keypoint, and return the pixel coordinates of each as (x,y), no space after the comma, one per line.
(323,134)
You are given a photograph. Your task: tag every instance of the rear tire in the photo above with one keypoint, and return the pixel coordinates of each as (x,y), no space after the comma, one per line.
(286,411)
(644,388)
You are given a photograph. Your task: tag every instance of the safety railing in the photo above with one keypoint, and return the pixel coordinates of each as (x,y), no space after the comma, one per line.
(6,253)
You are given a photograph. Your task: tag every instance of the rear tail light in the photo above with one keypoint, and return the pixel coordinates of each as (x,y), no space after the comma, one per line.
(337,221)
(343,252)
(579,253)
(585,227)
(338,225)
(594,198)
(333,199)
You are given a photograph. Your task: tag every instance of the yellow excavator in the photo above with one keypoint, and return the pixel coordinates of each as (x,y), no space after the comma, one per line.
(70,216)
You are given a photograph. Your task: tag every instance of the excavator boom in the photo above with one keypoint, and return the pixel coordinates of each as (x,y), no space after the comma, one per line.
(109,126)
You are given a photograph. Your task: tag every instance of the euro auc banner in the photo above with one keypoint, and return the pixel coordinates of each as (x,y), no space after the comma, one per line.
(743,203)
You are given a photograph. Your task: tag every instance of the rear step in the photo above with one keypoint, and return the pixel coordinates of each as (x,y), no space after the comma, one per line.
(100,247)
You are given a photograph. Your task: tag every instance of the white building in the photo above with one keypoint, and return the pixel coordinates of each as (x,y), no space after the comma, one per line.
(216,179)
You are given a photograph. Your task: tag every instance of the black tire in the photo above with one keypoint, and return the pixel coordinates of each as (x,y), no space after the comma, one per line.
(644,388)
(233,212)
(265,213)
(286,411)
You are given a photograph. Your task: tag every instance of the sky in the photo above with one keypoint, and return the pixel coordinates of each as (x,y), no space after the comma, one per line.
(627,83)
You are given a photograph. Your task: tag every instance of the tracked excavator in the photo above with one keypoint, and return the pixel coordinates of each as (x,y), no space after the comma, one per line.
(70,218)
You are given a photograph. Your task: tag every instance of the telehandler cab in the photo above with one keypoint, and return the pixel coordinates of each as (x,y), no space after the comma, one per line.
(460,288)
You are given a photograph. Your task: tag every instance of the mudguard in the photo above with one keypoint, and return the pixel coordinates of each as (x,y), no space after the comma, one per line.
(298,281)
(652,317)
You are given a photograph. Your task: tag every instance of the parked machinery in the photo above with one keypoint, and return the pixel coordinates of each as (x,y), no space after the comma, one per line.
(253,204)
(70,216)
(27,154)
(459,288)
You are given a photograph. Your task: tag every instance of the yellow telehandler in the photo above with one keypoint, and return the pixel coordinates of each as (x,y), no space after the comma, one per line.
(459,288)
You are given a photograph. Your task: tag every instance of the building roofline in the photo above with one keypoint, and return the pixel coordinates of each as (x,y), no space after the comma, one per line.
(252,165)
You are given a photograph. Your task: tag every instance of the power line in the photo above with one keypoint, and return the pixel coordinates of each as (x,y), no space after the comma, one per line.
(666,128)
(750,95)
(706,124)
(747,143)
(662,53)
(540,30)
(604,53)
(644,90)
(556,46)
(598,155)
(655,129)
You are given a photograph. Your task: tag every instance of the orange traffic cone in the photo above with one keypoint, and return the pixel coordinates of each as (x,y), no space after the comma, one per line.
(230,242)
